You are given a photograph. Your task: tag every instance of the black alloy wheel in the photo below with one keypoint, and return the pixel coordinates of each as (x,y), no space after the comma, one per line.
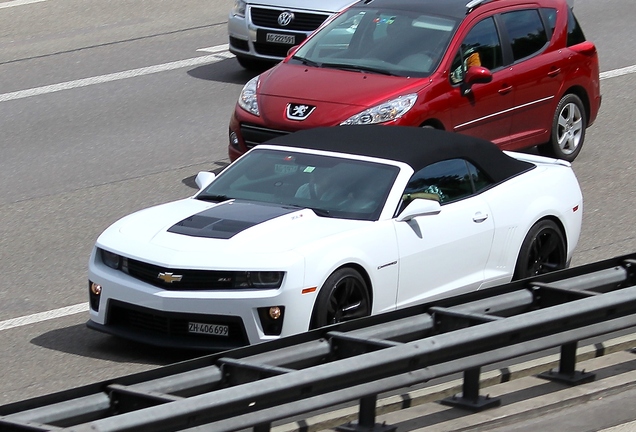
(343,297)
(543,251)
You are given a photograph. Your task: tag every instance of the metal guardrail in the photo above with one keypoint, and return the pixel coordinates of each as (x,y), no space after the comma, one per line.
(254,386)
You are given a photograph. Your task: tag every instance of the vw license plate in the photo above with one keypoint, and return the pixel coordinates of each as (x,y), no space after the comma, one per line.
(280,38)
(210,329)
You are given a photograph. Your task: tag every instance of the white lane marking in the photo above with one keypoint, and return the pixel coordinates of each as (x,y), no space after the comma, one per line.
(43,316)
(196,61)
(216,48)
(18,3)
(618,72)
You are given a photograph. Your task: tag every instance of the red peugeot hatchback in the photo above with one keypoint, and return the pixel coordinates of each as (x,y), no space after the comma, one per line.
(519,73)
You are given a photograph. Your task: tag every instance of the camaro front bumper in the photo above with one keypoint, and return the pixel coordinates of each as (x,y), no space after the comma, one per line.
(135,310)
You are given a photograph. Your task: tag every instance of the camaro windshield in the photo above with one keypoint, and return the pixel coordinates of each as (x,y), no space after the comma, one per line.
(331,186)
(381,41)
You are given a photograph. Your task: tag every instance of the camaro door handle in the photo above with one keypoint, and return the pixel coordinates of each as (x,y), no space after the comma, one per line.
(480,217)
(554,72)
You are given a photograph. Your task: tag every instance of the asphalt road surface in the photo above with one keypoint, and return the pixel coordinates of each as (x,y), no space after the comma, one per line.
(110,107)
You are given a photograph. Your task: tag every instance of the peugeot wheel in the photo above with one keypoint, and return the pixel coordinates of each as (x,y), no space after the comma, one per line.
(568,129)
(343,297)
(543,250)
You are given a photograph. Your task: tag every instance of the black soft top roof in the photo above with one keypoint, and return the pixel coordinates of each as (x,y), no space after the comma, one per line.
(417,147)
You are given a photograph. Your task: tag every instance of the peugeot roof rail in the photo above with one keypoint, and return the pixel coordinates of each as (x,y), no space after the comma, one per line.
(472,4)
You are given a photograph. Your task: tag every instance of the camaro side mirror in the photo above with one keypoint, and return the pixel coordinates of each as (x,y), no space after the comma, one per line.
(203,179)
(419,207)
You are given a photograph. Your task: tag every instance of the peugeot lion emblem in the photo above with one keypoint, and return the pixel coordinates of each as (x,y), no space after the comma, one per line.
(169,277)
(299,111)
(285,18)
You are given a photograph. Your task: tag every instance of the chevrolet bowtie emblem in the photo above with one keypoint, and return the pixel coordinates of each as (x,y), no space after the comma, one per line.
(169,277)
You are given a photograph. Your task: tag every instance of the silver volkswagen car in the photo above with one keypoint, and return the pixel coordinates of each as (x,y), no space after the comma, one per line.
(261,32)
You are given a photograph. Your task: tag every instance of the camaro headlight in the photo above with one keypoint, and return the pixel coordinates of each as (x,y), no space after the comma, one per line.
(239,8)
(247,99)
(387,111)
(112,260)
(259,279)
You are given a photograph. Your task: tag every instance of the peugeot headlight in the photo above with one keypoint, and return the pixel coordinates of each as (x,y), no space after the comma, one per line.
(239,8)
(386,111)
(247,98)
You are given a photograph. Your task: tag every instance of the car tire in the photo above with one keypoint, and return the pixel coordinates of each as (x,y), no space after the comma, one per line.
(253,64)
(343,297)
(542,251)
(568,129)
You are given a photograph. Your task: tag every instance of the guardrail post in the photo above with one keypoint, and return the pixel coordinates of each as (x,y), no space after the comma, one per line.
(470,398)
(366,418)
(566,373)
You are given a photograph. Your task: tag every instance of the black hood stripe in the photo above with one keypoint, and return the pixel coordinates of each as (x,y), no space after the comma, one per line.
(226,220)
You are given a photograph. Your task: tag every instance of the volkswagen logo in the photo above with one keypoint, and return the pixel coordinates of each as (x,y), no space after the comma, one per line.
(285,18)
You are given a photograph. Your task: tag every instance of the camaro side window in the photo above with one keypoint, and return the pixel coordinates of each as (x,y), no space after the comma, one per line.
(526,32)
(479,178)
(444,181)
(481,47)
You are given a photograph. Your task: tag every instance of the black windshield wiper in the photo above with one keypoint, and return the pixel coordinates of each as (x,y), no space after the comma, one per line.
(318,211)
(218,198)
(356,68)
(305,61)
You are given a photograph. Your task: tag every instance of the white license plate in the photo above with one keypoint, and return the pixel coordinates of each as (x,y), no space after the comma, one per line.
(280,38)
(210,329)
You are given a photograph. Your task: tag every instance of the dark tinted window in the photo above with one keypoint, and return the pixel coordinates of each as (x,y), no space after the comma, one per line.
(481,47)
(575,33)
(445,181)
(526,32)
(479,178)
(550,17)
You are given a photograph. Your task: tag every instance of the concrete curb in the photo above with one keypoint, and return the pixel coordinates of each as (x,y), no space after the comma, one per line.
(487,379)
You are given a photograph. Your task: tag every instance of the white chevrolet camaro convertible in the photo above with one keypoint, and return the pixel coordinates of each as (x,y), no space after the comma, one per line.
(327,225)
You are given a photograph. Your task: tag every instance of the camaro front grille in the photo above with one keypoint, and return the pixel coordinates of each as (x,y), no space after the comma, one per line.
(302,21)
(168,324)
(180,279)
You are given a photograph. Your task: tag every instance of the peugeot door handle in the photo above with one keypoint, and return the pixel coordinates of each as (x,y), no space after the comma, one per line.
(505,90)
(554,72)
(480,217)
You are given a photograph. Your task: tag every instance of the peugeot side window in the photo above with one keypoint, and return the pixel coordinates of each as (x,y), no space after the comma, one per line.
(575,33)
(526,32)
(481,47)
